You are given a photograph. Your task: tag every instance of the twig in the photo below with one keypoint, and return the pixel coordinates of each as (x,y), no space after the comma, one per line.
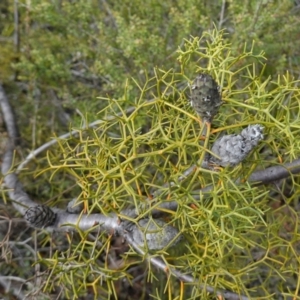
(205,131)
(16,32)
(9,118)
(275,173)
(16,27)
(222,14)
(112,18)
(13,285)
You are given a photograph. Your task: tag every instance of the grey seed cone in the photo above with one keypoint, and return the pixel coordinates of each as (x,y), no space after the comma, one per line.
(156,234)
(40,216)
(234,148)
(205,97)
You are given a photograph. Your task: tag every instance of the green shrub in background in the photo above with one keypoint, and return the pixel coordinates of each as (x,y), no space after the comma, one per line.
(78,49)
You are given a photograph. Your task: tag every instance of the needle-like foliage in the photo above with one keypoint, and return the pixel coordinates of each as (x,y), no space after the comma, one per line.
(234,235)
(212,230)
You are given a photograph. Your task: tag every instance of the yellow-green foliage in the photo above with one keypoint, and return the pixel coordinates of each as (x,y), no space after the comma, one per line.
(238,237)
(235,237)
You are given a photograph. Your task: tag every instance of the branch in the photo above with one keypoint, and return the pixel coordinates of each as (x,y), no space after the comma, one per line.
(8,117)
(275,173)
(13,285)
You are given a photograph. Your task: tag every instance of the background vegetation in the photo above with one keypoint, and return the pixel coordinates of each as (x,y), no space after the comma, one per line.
(67,63)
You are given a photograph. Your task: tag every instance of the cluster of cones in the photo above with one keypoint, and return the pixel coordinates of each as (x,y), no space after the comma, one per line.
(228,150)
